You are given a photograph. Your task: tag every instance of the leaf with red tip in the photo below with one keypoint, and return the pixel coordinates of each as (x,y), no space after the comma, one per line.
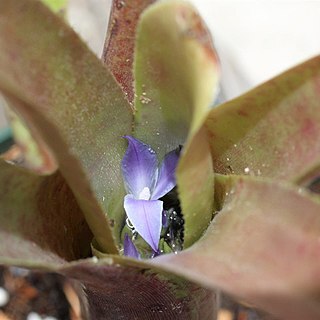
(61,89)
(263,246)
(273,130)
(119,45)
(176,74)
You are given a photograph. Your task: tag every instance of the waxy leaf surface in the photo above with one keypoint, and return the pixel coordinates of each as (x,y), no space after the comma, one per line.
(62,89)
(273,130)
(119,45)
(263,246)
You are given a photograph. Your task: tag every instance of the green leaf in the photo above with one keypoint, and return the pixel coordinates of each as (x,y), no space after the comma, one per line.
(175,70)
(120,40)
(40,220)
(176,74)
(33,153)
(195,179)
(263,247)
(273,130)
(63,91)
(56,5)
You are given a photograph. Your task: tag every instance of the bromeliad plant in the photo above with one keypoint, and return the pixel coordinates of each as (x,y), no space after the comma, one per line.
(235,198)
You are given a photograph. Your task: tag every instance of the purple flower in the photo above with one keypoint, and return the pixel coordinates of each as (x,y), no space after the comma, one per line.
(146,184)
(129,248)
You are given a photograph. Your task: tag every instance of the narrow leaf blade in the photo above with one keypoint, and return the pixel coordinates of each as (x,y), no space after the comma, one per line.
(119,45)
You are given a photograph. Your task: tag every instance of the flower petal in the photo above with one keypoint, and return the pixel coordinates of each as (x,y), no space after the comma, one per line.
(166,179)
(146,217)
(129,248)
(139,167)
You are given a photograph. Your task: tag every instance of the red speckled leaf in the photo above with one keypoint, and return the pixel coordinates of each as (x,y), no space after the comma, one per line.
(40,221)
(273,130)
(62,90)
(119,45)
(263,246)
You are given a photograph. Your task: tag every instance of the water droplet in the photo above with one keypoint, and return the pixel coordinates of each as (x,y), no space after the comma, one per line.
(130,225)
(300,190)
(158,133)
(120,4)
(144,99)
(228,159)
(246,170)
(250,148)
(4,297)
(235,145)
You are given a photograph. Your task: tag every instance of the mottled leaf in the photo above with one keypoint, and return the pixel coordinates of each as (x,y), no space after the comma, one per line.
(61,89)
(273,130)
(175,70)
(263,247)
(119,45)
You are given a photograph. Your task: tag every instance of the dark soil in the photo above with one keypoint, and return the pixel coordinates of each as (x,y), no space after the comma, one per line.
(33,292)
